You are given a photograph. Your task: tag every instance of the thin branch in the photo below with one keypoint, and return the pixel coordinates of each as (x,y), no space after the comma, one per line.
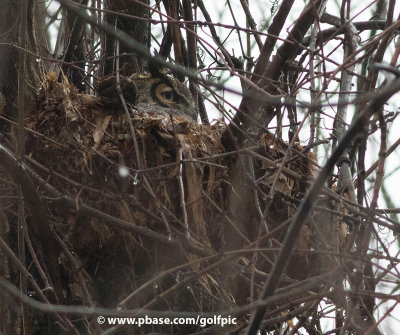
(307,204)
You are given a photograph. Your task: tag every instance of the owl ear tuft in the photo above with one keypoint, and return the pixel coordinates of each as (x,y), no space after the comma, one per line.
(154,70)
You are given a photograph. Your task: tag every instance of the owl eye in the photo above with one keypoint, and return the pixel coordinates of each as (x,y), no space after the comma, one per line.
(167,95)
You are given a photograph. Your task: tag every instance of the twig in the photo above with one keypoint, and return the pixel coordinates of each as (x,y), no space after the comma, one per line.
(182,194)
(21,224)
(251,21)
(23,271)
(127,115)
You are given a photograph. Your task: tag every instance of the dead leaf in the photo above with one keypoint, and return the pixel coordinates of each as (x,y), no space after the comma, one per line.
(51,77)
(100,130)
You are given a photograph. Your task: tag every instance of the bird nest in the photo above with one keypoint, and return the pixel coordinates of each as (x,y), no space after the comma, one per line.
(145,206)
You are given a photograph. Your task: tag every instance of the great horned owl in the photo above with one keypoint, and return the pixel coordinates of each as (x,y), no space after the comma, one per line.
(150,92)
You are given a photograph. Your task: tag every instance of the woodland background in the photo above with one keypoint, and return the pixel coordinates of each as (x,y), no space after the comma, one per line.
(279,207)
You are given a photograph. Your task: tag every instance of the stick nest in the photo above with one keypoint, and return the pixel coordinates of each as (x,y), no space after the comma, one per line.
(142,179)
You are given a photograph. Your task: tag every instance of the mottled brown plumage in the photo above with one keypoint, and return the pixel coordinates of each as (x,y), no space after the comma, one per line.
(152,92)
